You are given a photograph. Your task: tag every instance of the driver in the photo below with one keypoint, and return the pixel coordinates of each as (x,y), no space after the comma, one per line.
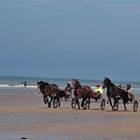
(99,90)
(68,89)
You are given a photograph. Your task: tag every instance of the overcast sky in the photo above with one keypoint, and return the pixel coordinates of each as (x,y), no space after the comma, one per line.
(87,39)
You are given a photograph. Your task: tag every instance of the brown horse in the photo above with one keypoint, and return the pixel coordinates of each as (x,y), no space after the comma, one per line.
(81,92)
(50,90)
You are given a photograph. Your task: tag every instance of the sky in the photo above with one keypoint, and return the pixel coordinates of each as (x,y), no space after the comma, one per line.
(86,39)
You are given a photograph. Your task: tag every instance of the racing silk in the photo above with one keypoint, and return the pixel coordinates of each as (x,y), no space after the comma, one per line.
(99,90)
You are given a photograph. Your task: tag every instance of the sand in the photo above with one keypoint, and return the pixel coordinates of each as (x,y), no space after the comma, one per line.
(23,115)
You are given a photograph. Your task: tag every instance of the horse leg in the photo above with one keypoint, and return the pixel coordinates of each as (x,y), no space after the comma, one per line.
(45,99)
(49,104)
(115,102)
(124,105)
(58,101)
(78,103)
(82,102)
(109,100)
(89,103)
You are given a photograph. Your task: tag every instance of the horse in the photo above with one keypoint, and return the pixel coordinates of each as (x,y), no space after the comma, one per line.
(50,90)
(116,93)
(81,92)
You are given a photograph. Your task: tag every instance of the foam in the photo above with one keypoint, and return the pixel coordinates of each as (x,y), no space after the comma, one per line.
(16,86)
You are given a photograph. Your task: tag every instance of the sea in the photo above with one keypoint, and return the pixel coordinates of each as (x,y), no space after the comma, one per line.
(16,82)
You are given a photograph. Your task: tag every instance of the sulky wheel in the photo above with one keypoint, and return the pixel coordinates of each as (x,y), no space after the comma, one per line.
(55,102)
(103,104)
(135,106)
(73,103)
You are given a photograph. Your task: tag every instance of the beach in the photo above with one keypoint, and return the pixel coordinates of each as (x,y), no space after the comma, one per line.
(23,115)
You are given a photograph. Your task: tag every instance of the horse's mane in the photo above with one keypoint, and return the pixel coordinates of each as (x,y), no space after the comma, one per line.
(78,84)
(42,84)
(55,85)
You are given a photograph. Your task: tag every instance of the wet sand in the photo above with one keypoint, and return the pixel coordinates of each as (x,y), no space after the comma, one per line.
(24,115)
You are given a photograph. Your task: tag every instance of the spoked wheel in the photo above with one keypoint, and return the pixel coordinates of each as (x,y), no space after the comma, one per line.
(55,102)
(116,107)
(103,104)
(85,102)
(73,103)
(135,106)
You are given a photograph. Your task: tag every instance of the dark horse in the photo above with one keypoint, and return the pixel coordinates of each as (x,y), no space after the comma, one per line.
(116,93)
(50,90)
(81,92)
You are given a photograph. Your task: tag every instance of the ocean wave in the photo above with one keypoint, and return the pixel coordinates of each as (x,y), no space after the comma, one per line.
(134,90)
(4,85)
(16,86)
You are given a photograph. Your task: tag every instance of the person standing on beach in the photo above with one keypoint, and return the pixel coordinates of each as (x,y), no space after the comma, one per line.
(25,84)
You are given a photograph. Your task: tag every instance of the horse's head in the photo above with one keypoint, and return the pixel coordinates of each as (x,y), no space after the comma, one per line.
(41,85)
(75,83)
(106,82)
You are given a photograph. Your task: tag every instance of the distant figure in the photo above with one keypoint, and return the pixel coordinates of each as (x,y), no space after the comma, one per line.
(23,84)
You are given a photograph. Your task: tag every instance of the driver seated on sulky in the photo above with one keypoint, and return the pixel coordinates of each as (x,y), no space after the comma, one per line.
(68,89)
(130,92)
(99,90)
